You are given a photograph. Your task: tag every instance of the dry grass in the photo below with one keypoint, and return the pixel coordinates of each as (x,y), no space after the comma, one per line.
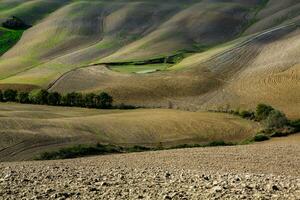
(29,129)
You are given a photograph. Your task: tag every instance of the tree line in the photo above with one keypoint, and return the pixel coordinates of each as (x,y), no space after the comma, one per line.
(74,99)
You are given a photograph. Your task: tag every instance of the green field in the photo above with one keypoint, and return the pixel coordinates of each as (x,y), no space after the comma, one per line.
(8,38)
(140,68)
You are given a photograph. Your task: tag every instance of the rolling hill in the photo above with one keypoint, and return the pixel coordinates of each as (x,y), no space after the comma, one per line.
(192,55)
(28,130)
(223,52)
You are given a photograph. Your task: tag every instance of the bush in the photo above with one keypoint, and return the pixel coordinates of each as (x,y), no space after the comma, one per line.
(263,111)
(39,96)
(104,101)
(10,95)
(261,137)
(23,97)
(123,106)
(54,98)
(276,120)
(280,134)
(295,124)
(73,99)
(79,151)
(1,96)
(15,23)
(247,114)
(90,100)
(217,143)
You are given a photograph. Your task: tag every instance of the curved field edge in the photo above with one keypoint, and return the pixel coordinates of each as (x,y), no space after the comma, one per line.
(28,130)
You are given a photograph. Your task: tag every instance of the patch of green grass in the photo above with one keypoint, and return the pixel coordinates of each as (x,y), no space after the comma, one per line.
(99,149)
(79,151)
(139,68)
(8,38)
(211,144)
(261,137)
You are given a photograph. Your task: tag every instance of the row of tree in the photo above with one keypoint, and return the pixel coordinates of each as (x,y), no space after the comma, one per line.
(43,97)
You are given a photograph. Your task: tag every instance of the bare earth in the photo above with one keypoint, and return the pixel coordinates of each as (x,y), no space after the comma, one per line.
(267,170)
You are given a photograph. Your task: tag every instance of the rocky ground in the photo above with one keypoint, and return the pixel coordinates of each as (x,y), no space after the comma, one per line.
(268,170)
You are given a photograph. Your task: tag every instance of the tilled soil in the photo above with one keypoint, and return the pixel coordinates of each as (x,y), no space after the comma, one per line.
(268,170)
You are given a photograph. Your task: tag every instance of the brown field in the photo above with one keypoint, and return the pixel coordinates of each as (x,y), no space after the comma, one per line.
(27,130)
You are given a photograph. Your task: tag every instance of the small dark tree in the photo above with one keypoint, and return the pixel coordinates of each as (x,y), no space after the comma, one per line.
(23,97)
(73,99)
(263,111)
(39,97)
(10,95)
(1,96)
(90,100)
(54,98)
(276,119)
(15,23)
(247,114)
(104,100)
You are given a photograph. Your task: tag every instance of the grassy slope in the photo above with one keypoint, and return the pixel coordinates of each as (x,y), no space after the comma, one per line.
(28,129)
(140,29)
(8,38)
(100,28)
(30,11)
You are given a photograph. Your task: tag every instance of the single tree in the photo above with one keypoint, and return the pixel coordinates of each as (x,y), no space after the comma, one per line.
(39,96)
(1,96)
(263,111)
(90,100)
(54,98)
(73,99)
(104,100)
(23,97)
(10,95)
(276,120)
(15,23)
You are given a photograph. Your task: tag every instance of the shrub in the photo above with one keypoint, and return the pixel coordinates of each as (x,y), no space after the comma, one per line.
(123,106)
(295,124)
(90,100)
(23,97)
(138,149)
(39,96)
(10,95)
(73,99)
(263,111)
(276,120)
(15,23)
(219,143)
(261,137)
(1,95)
(54,98)
(104,100)
(280,134)
(247,114)
(79,151)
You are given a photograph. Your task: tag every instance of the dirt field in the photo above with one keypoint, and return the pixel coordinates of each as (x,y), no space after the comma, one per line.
(268,170)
